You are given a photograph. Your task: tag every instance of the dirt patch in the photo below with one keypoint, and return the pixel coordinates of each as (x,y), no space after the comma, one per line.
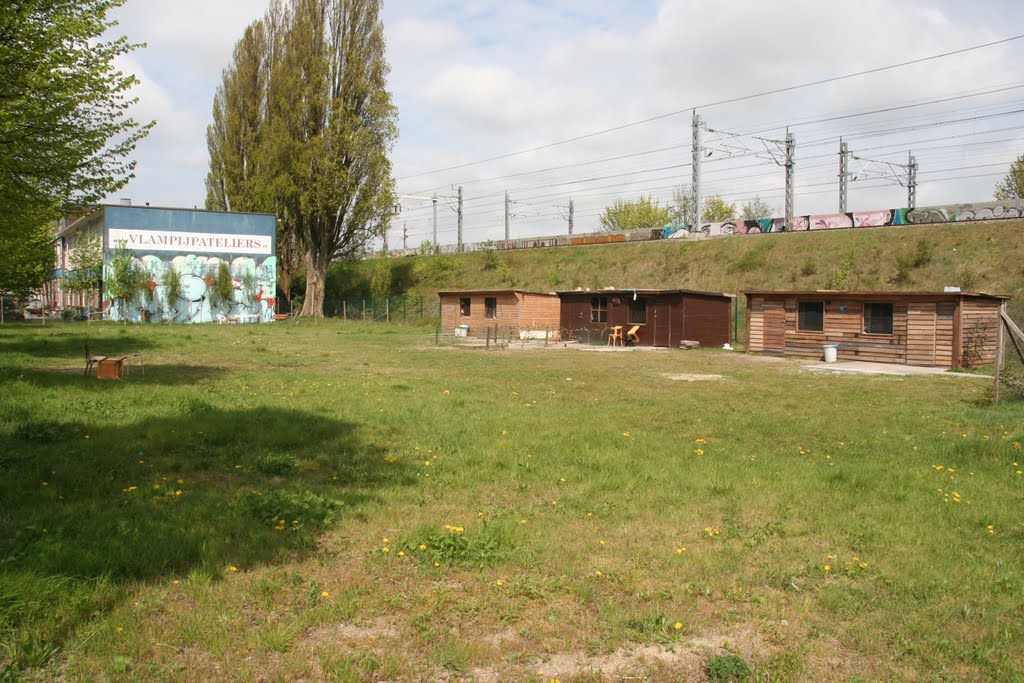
(693,378)
(347,633)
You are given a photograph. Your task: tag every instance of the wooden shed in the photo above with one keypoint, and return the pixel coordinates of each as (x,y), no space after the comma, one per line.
(664,317)
(944,329)
(509,309)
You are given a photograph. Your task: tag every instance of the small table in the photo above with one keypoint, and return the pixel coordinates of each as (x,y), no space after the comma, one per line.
(110,368)
(248,317)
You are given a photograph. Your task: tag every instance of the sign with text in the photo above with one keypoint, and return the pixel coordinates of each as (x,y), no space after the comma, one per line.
(191,242)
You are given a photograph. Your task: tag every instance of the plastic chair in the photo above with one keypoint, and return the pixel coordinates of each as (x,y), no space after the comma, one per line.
(632,337)
(615,336)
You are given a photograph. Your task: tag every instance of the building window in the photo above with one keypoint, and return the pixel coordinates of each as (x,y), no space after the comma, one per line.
(490,307)
(878,318)
(810,316)
(598,309)
(638,312)
(464,307)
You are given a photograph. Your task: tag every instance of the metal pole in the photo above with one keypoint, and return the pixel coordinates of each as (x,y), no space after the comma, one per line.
(405,233)
(570,215)
(460,218)
(844,175)
(911,182)
(790,167)
(506,216)
(435,223)
(698,153)
(1000,346)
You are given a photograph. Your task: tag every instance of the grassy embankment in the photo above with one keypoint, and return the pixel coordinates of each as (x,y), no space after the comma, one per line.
(347,502)
(977,257)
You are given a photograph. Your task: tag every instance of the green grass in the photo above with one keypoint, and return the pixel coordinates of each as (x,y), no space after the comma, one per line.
(357,504)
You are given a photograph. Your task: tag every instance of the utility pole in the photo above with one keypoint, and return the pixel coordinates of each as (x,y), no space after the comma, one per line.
(570,215)
(911,181)
(698,153)
(506,217)
(434,243)
(405,233)
(844,175)
(790,167)
(460,218)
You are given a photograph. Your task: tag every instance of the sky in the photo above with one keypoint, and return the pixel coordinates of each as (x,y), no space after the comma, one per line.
(490,78)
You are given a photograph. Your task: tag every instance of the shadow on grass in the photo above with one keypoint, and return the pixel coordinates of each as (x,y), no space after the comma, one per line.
(85,509)
(71,344)
(73,376)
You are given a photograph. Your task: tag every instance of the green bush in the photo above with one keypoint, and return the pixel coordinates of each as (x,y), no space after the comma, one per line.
(727,669)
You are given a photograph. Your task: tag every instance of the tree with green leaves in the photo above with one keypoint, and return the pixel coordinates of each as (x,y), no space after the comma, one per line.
(84,273)
(303,124)
(757,208)
(26,261)
(645,212)
(682,205)
(125,280)
(717,210)
(64,106)
(1012,186)
(65,132)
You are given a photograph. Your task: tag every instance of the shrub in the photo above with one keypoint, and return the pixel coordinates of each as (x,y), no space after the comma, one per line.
(727,669)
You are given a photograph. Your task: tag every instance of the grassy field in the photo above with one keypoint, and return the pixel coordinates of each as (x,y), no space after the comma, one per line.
(340,501)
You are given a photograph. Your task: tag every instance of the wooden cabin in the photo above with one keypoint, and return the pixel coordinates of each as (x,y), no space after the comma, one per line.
(663,317)
(531,313)
(944,329)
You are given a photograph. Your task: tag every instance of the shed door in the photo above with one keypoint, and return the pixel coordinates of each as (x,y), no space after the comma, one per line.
(662,314)
(921,334)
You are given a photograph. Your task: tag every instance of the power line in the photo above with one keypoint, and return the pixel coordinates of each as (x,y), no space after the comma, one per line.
(731,100)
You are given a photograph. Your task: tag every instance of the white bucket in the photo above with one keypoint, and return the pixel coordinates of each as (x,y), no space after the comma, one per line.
(462,331)
(831,352)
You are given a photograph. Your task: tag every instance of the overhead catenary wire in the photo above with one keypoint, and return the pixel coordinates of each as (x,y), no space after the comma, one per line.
(721,102)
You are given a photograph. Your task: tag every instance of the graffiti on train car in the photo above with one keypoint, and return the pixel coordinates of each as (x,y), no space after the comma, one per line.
(951,213)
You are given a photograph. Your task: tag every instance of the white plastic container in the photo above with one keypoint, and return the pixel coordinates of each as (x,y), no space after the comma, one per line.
(831,352)
(462,331)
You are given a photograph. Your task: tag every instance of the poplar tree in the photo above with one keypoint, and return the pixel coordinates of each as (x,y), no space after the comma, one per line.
(302,126)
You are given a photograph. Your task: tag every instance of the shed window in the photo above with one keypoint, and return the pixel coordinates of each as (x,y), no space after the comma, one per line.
(464,306)
(638,312)
(811,316)
(878,318)
(491,307)
(598,309)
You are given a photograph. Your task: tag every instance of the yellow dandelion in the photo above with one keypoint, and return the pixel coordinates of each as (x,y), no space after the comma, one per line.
(522,521)
(175,582)
(678,625)
(423,546)
(181,481)
(324,594)
(597,572)
(119,629)
(500,582)
(828,567)
(156,486)
(386,549)
(401,553)
(680,551)
(232,568)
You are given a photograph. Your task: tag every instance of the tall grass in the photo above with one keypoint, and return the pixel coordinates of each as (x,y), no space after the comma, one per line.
(347,501)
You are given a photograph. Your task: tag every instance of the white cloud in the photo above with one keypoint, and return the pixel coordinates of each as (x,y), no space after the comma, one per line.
(482,79)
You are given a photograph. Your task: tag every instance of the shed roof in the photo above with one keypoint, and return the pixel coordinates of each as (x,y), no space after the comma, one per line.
(875,294)
(646,292)
(492,291)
